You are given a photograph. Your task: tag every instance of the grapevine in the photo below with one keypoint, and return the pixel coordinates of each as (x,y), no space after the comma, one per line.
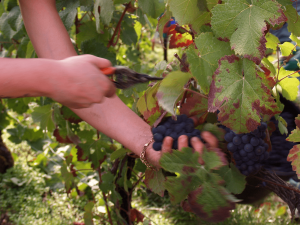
(226,74)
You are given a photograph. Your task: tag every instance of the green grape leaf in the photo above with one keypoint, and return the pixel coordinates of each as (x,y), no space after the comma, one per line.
(235,182)
(293,20)
(190,174)
(107,181)
(106,12)
(43,115)
(128,34)
(240,95)
(295,39)
(282,127)
(88,213)
(11,23)
(171,88)
(286,48)
(97,48)
(294,136)
(67,176)
(191,12)
(152,8)
(272,41)
(87,31)
(148,104)
(211,4)
(243,23)
(154,181)
(289,85)
(68,14)
(204,61)
(294,158)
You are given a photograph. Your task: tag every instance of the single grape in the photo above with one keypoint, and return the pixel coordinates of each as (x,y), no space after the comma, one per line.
(158,137)
(231,147)
(178,128)
(263,126)
(236,140)
(167,124)
(157,146)
(154,130)
(243,153)
(254,141)
(259,150)
(161,129)
(261,142)
(248,148)
(190,121)
(229,136)
(246,138)
(174,135)
(257,166)
(168,132)
(189,127)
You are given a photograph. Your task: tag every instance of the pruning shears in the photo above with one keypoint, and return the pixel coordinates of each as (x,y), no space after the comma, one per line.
(125,77)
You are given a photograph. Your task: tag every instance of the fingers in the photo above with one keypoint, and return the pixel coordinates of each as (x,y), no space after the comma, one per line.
(99,62)
(198,147)
(210,139)
(167,145)
(183,142)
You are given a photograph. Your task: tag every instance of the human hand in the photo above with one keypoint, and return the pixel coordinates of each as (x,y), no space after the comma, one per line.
(79,82)
(153,156)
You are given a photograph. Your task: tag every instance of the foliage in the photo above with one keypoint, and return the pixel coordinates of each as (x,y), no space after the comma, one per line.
(222,67)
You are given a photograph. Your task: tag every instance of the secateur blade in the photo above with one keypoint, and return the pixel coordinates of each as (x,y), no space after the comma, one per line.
(125,77)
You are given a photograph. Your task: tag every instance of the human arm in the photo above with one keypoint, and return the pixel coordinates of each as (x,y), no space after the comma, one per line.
(38,77)
(112,117)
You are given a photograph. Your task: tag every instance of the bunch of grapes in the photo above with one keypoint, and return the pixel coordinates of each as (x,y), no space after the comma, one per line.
(174,128)
(248,150)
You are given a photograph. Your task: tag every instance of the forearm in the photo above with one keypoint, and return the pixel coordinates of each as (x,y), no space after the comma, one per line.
(112,116)
(23,77)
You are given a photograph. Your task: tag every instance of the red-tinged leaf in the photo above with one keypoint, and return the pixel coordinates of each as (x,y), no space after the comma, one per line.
(244,24)
(178,39)
(136,216)
(294,136)
(69,115)
(73,171)
(65,139)
(194,104)
(148,105)
(267,78)
(210,203)
(80,154)
(240,95)
(154,180)
(294,157)
(297,121)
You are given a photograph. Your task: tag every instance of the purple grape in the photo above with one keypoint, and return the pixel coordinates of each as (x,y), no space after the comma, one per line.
(158,137)
(243,153)
(229,136)
(248,148)
(231,147)
(161,129)
(254,141)
(259,150)
(157,146)
(236,140)
(246,139)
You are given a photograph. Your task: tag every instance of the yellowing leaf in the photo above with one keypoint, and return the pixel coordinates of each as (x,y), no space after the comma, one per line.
(289,85)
